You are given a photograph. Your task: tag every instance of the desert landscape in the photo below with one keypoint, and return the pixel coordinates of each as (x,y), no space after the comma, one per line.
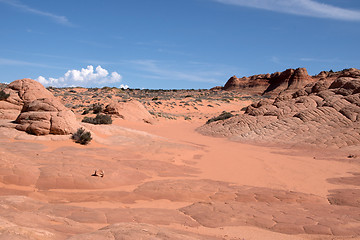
(270,156)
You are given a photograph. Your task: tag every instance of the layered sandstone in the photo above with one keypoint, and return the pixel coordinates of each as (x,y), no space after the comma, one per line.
(36,110)
(46,116)
(323,113)
(279,82)
(20,92)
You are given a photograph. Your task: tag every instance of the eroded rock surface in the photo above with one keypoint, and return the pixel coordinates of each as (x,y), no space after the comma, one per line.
(21,92)
(129,231)
(46,116)
(288,81)
(36,110)
(326,114)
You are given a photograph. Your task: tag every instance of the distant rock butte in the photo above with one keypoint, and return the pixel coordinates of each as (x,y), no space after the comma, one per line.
(288,81)
(36,110)
(325,112)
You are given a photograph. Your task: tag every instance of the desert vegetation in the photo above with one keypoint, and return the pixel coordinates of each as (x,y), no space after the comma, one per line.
(81,136)
(3,95)
(224,115)
(99,119)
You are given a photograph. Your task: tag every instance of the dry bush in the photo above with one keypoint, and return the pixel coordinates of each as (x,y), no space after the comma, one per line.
(99,119)
(81,136)
(224,115)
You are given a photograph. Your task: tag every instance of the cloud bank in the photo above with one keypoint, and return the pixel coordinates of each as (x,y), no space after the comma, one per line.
(59,19)
(310,8)
(86,77)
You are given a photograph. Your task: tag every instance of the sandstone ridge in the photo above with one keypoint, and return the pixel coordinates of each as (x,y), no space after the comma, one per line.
(289,80)
(323,113)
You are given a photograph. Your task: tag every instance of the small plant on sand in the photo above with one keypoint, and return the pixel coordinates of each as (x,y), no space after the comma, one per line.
(81,136)
(3,95)
(224,115)
(99,119)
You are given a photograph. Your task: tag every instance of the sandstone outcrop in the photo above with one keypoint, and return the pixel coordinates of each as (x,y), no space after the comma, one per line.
(323,113)
(36,110)
(131,110)
(288,81)
(46,116)
(21,92)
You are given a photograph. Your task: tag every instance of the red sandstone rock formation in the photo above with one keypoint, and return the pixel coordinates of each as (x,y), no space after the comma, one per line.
(322,113)
(131,110)
(36,110)
(21,91)
(290,80)
(46,116)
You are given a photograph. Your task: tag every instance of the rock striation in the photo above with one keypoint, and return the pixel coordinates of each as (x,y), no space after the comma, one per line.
(322,113)
(46,116)
(20,92)
(36,110)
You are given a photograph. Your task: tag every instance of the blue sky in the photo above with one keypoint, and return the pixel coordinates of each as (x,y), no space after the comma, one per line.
(171,43)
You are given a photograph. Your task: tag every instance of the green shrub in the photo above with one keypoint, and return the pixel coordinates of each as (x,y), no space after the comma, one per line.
(81,136)
(99,119)
(3,95)
(224,115)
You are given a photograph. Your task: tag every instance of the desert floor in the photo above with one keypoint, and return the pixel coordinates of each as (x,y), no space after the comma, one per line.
(164,180)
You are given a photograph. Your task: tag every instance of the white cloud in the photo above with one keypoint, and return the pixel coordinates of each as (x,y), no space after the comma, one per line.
(124,86)
(59,19)
(318,60)
(86,77)
(310,8)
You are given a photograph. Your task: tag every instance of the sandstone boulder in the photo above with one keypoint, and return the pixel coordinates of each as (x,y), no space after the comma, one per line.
(20,92)
(36,110)
(46,116)
(131,110)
